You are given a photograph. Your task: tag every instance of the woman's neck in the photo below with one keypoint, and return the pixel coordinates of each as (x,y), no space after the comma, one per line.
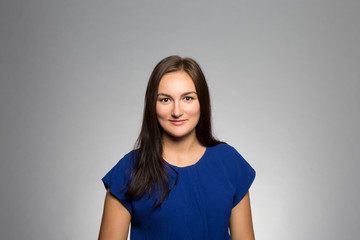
(182,151)
(179,145)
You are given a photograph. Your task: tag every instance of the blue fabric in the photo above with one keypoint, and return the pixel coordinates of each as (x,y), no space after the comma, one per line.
(199,205)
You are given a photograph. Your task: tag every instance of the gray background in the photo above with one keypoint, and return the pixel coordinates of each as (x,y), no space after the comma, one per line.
(284,79)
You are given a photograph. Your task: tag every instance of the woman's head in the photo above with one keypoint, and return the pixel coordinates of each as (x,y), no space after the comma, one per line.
(174,64)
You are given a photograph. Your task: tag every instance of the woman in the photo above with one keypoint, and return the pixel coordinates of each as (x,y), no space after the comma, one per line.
(179,182)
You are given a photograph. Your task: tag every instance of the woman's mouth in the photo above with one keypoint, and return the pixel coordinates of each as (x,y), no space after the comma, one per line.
(177,122)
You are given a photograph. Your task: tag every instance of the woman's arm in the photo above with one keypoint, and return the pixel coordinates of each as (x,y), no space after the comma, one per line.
(241,227)
(115,221)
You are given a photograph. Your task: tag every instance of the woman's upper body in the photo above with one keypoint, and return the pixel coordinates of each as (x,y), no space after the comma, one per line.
(181,183)
(200,204)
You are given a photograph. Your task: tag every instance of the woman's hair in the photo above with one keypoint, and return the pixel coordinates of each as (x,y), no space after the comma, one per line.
(150,171)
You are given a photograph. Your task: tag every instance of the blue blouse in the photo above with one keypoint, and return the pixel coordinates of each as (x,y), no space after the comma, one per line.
(198,206)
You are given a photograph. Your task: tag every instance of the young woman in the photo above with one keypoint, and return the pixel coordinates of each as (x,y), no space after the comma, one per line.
(179,182)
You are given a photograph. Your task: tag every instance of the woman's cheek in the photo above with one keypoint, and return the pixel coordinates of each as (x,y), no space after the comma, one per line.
(161,111)
(193,110)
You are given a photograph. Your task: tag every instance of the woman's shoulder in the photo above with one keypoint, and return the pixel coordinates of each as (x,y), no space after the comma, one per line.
(126,162)
(228,154)
(228,157)
(130,155)
(129,158)
(224,148)
(120,172)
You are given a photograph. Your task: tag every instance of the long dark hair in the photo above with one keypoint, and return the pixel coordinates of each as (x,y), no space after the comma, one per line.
(150,171)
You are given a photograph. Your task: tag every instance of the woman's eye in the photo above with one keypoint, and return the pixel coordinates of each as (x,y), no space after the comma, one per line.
(165,100)
(188,98)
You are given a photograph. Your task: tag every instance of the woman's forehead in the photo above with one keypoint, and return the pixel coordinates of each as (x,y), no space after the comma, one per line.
(176,82)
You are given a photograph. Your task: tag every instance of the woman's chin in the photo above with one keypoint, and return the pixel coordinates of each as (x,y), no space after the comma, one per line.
(179,136)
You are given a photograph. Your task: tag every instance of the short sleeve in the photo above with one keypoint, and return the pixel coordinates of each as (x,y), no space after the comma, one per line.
(244,176)
(116,181)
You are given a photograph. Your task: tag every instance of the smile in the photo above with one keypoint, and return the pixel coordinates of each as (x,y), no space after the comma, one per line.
(177,122)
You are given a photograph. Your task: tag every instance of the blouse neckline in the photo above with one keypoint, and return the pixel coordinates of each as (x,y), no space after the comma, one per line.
(192,165)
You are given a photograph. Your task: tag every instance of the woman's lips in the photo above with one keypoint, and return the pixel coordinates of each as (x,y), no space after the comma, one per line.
(177,122)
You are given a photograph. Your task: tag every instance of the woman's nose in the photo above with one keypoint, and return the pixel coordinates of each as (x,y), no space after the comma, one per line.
(177,110)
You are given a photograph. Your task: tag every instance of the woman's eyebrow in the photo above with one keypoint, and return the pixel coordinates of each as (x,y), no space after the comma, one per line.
(186,93)
(164,94)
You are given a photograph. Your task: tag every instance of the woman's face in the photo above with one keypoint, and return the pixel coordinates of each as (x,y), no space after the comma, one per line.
(177,105)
